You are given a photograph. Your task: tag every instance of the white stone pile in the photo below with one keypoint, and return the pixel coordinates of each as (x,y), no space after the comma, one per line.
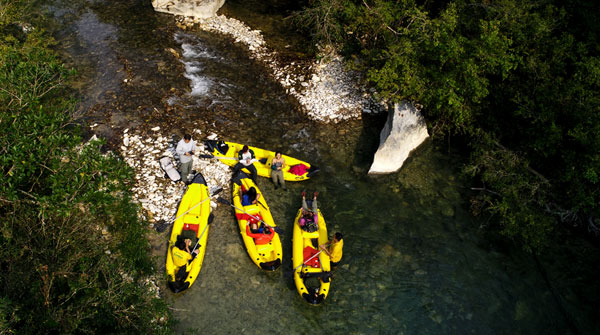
(158,195)
(237,29)
(326,90)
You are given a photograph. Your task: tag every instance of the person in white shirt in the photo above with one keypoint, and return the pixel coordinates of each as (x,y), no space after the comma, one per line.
(246,160)
(185,149)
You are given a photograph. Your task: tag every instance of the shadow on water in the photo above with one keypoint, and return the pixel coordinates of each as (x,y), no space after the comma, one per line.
(414,260)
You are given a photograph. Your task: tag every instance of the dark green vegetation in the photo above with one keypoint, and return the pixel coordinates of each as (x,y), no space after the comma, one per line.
(519,81)
(73,256)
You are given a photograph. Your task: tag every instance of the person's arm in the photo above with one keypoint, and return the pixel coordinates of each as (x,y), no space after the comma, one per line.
(179,149)
(325,248)
(282,163)
(193,149)
(252,157)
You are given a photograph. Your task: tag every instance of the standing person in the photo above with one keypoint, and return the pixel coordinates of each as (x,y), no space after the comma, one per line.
(246,160)
(334,248)
(277,165)
(185,149)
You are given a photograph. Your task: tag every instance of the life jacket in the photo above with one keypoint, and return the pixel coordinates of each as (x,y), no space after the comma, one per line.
(260,238)
(180,257)
(309,252)
(298,169)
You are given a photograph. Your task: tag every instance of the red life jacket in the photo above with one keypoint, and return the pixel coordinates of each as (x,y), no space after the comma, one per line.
(298,169)
(260,238)
(309,252)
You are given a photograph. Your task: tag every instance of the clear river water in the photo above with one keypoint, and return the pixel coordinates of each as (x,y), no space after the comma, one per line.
(415,261)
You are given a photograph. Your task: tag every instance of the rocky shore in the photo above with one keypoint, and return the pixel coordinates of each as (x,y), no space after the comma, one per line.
(324,88)
(158,195)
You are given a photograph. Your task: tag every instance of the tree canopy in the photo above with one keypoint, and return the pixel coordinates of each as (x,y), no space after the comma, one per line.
(519,80)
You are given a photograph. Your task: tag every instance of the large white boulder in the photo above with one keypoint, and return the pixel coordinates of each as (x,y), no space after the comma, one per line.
(404,130)
(201,9)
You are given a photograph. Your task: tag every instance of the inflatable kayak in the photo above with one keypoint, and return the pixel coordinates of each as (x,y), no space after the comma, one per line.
(227,152)
(263,246)
(192,221)
(311,267)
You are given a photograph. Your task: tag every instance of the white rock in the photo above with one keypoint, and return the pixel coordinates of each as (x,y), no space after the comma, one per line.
(404,130)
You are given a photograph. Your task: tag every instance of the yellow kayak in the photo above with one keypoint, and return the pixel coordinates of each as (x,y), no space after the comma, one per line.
(192,221)
(295,169)
(264,248)
(309,262)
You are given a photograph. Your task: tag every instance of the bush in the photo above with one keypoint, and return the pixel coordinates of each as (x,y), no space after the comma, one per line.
(73,256)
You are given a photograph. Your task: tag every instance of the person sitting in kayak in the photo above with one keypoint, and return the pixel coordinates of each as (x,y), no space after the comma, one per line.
(246,160)
(262,235)
(334,248)
(182,256)
(249,197)
(310,217)
(253,224)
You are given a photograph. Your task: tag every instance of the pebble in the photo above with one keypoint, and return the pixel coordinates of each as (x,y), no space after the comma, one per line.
(155,193)
(332,94)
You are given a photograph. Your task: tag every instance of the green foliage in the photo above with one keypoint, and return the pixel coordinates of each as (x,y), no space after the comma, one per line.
(74,257)
(320,20)
(524,73)
(519,194)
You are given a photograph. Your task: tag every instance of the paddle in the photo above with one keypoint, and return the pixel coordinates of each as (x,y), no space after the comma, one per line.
(166,224)
(184,276)
(289,274)
(262,160)
(210,220)
(276,229)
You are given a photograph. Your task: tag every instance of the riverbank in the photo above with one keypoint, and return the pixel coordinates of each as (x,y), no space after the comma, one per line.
(323,87)
(72,247)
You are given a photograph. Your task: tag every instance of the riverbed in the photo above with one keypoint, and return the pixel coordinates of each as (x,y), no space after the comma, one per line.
(415,261)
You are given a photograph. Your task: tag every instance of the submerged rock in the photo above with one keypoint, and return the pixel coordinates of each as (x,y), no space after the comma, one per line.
(404,131)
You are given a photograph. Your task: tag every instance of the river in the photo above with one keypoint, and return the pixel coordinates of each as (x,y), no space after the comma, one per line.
(415,261)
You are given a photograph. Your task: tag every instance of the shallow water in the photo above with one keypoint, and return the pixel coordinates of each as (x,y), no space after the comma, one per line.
(415,261)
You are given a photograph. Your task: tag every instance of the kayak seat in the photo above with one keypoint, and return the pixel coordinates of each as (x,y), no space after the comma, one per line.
(264,248)
(252,209)
(190,231)
(191,219)
(192,227)
(309,235)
